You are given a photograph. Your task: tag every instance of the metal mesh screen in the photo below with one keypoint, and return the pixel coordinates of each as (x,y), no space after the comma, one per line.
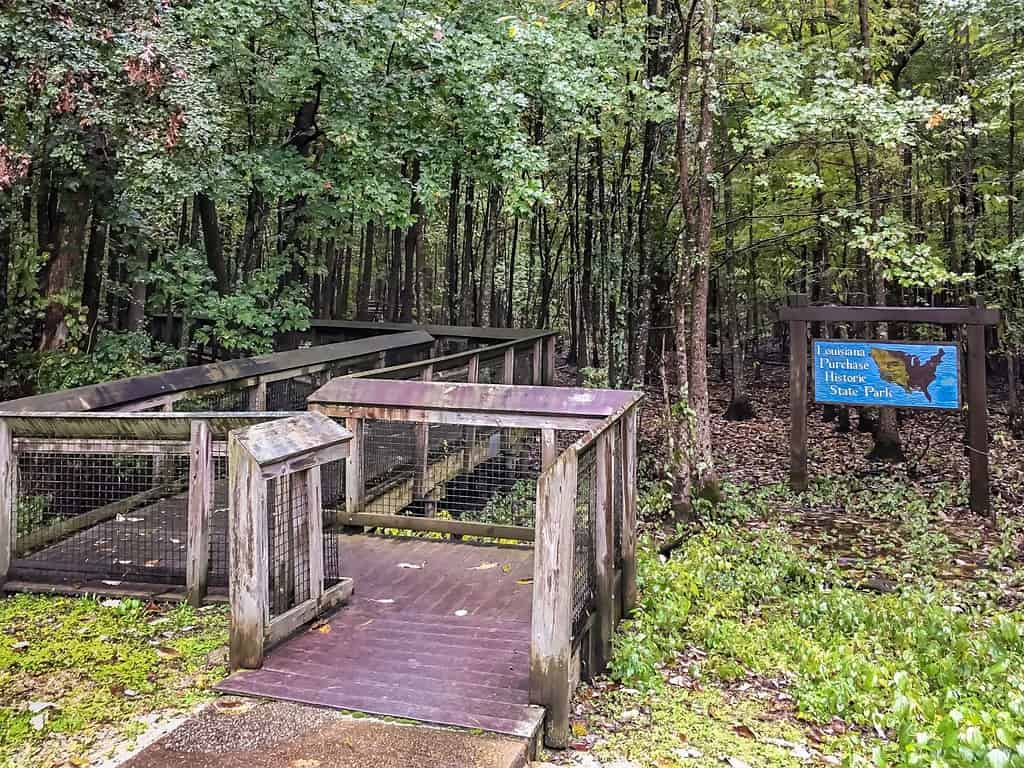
(226,400)
(288,543)
(492,371)
(523,367)
(101,516)
(475,474)
(583,572)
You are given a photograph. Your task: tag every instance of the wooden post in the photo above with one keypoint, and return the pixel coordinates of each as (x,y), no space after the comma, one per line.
(473,377)
(548,448)
(258,396)
(551,627)
(627,450)
(538,363)
(421,481)
(798,398)
(549,361)
(316,533)
(8,500)
(200,504)
(299,487)
(604,555)
(977,417)
(508,366)
(247,545)
(355,482)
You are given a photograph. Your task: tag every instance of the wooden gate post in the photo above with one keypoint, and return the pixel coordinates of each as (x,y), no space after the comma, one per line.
(508,367)
(604,555)
(537,358)
(551,627)
(977,416)
(248,582)
(200,504)
(627,451)
(8,500)
(798,398)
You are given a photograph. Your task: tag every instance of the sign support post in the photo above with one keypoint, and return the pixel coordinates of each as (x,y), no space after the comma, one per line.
(798,397)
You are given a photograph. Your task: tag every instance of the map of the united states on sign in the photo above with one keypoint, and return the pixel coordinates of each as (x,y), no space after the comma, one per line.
(906,370)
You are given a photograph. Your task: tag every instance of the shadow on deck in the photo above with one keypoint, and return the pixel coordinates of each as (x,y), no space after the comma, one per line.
(436,631)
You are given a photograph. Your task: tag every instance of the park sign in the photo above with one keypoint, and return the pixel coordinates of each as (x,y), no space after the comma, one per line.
(887,374)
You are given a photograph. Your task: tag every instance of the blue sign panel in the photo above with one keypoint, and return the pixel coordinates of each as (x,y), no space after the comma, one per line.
(890,374)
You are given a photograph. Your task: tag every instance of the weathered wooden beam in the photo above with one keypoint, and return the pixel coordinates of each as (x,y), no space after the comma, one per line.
(548,448)
(537,358)
(508,366)
(436,525)
(509,419)
(798,397)
(247,545)
(8,500)
(315,534)
(141,427)
(201,378)
(629,425)
(200,509)
(549,361)
(258,396)
(355,479)
(551,626)
(977,420)
(422,449)
(604,556)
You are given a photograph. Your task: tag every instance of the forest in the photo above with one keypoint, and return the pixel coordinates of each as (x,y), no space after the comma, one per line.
(654,179)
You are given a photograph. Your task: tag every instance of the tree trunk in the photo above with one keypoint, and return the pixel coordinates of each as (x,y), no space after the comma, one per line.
(366,273)
(61,268)
(92,279)
(467,298)
(452,248)
(212,242)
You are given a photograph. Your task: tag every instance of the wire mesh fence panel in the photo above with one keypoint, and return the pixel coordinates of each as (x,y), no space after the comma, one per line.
(332,494)
(288,512)
(107,516)
(584,532)
(492,371)
(226,400)
(454,375)
(456,472)
(523,373)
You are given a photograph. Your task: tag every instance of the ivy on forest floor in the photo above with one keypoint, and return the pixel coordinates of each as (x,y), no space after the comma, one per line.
(77,672)
(918,676)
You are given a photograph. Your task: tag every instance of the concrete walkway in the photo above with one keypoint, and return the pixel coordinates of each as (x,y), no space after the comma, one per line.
(246,733)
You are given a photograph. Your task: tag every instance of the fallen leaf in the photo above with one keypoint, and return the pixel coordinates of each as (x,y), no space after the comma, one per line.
(325,629)
(744,730)
(506,568)
(383,601)
(462,612)
(39,721)
(110,603)
(35,707)
(579,729)
(366,623)
(152,563)
(21,646)
(112,583)
(166,652)
(524,582)
(483,567)
(123,519)
(410,565)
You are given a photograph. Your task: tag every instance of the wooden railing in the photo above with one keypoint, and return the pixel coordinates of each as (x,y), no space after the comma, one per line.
(584,562)
(242,383)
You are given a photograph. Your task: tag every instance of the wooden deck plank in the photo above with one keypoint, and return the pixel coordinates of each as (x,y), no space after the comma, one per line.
(403,647)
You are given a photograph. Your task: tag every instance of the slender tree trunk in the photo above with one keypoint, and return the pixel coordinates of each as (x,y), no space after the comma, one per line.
(452,248)
(92,279)
(212,242)
(366,273)
(467,297)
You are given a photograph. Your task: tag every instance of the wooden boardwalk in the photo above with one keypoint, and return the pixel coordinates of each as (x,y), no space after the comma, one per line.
(436,631)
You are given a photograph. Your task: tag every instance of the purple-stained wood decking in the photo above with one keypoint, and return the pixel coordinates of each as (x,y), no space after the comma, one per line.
(402,646)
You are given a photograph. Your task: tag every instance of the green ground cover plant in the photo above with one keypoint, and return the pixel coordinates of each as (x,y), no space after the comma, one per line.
(923,675)
(75,669)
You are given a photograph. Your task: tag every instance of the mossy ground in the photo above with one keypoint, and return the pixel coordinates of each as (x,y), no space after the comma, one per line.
(77,674)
